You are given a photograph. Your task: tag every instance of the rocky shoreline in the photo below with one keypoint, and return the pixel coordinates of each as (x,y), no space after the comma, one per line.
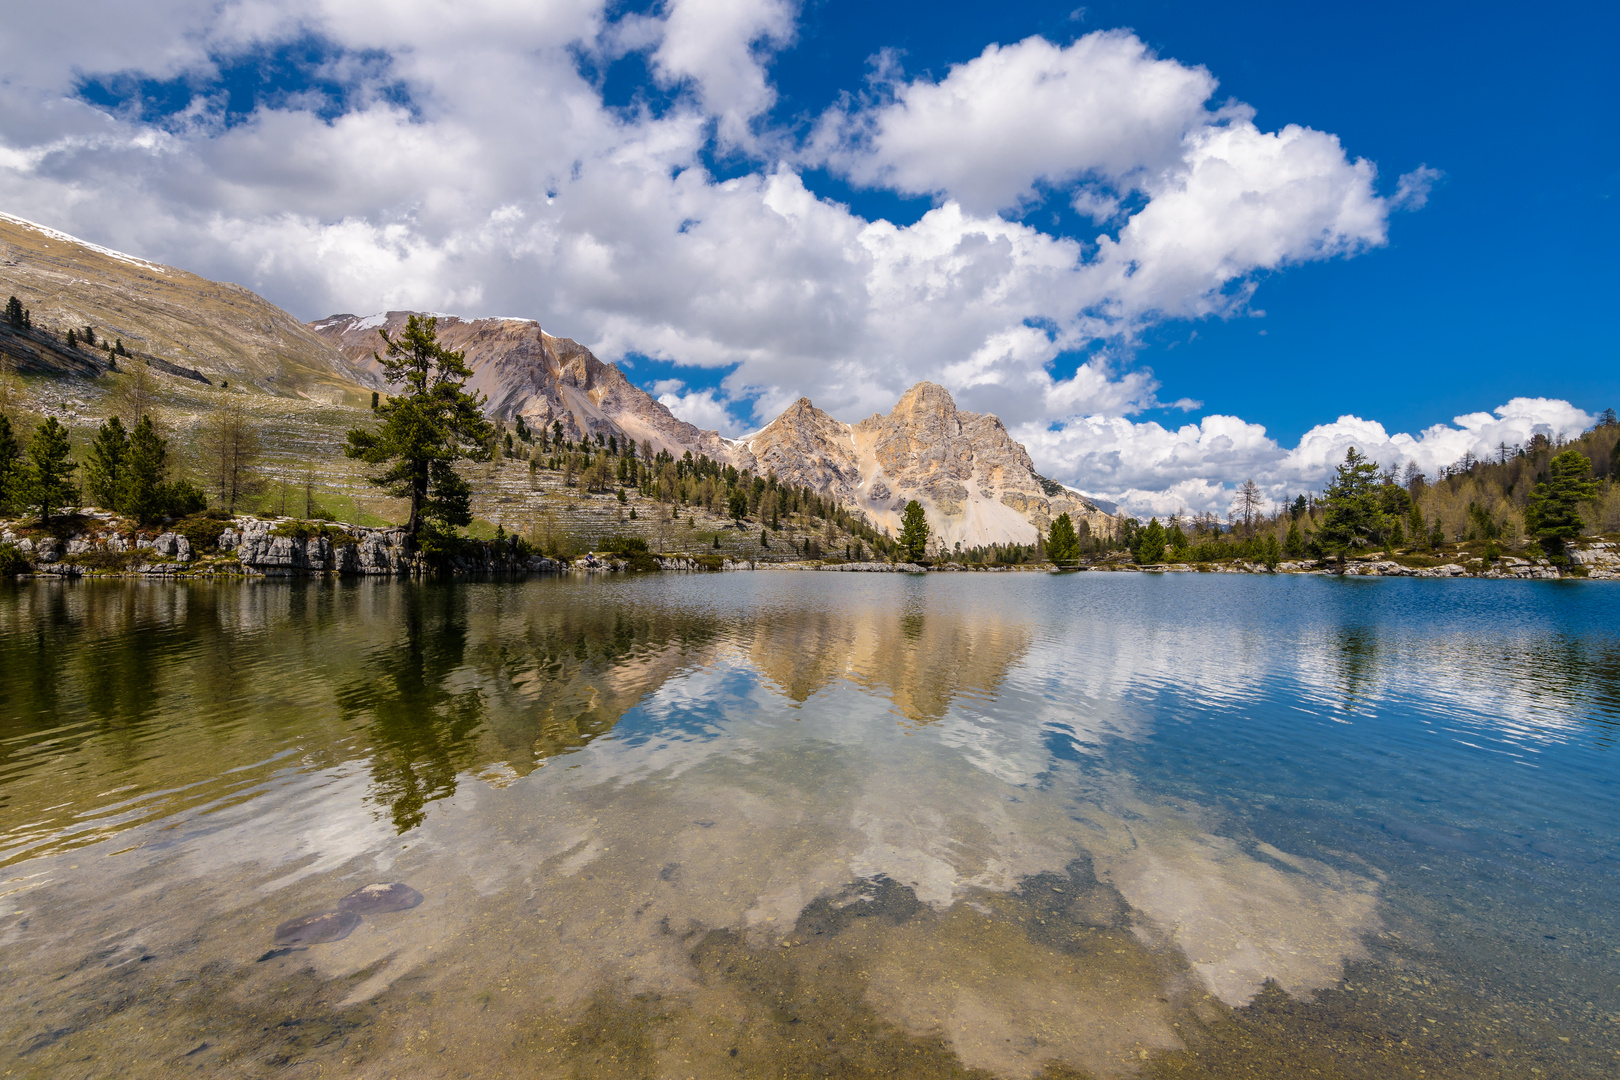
(255,547)
(1598,560)
(108,546)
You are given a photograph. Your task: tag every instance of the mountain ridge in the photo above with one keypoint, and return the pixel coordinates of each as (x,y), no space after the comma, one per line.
(227,332)
(977,485)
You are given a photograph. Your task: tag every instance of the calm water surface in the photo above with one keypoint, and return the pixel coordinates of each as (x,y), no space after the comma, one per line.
(793,825)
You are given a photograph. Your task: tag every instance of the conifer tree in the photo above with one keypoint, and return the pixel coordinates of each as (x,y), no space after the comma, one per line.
(14,312)
(1294,546)
(9,464)
(1354,517)
(72,339)
(145,469)
(1553,516)
(47,480)
(104,472)
(913,532)
(1063,545)
(1271,552)
(1151,549)
(425,429)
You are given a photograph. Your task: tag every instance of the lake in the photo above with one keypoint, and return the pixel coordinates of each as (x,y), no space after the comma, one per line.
(787,824)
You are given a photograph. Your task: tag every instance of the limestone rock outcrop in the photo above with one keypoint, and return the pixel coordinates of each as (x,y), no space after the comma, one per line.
(977,485)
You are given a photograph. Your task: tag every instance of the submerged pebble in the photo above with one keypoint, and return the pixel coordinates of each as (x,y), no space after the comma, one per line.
(317,929)
(376,899)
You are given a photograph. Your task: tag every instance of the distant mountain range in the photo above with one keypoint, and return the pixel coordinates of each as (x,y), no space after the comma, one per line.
(975,482)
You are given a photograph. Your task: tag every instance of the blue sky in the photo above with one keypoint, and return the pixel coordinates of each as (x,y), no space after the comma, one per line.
(704,190)
(1503,284)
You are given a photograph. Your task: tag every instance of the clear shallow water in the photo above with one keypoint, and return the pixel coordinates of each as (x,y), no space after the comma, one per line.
(781,824)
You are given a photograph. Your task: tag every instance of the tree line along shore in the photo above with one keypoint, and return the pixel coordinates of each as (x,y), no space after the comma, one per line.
(1533,505)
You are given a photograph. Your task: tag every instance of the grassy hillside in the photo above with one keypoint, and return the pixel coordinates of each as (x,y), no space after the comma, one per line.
(225,331)
(303,473)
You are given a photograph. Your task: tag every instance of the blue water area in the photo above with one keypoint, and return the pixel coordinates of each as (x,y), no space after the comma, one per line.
(730,824)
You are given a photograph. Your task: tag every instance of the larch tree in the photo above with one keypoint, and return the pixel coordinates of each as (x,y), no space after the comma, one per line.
(137,392)
(425,429)
(1249,504)
(233,450)
(9,390)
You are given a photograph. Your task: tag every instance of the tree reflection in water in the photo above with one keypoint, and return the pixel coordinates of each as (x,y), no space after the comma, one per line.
(1358,663)
(420,722)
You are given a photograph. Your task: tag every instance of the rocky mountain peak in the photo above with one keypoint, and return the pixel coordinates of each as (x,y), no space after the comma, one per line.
(524,371)
(974,481)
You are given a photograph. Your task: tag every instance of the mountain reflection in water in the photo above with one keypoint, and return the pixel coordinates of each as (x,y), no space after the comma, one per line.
(790,824)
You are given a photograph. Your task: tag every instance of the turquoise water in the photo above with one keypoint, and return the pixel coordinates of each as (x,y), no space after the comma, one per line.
(793,824)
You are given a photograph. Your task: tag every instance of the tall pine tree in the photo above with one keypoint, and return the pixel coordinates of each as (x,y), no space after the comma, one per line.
(425,429)
(10,466)
(913,532)
(1353,513)
(104,472)
(1063,545)
(1553,516)
(1151,547)
(142,494)
(47,480)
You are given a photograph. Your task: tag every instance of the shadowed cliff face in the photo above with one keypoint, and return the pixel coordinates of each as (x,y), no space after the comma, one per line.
(223,330)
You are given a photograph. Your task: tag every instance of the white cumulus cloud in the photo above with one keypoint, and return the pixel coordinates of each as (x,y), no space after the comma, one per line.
(700,407)
(1022,114)
(1152,469)
(473,165)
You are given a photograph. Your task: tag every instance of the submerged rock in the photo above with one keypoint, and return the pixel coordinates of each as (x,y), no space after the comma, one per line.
(376,899)
(317,929)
